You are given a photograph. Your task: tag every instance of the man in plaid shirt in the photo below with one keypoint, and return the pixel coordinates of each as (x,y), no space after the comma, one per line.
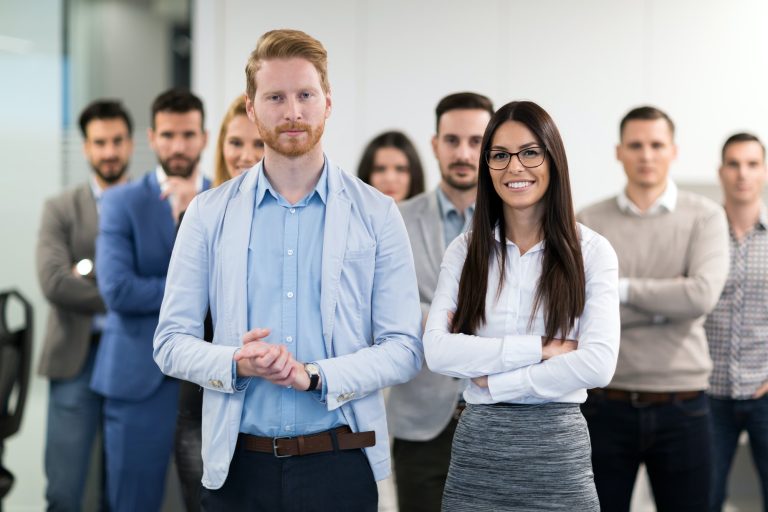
(737,329)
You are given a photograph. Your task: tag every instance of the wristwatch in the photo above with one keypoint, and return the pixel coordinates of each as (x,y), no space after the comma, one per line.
(313,372)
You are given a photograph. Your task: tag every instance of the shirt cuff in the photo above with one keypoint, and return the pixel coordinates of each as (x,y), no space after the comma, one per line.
(519,351)
(623,290)
(321,393)
(508,386)
(238,383)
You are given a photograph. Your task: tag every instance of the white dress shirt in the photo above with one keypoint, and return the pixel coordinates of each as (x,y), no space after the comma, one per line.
(508,347)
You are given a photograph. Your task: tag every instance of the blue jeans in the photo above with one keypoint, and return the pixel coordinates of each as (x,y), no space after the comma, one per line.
(74,417)
(729,419)
(672,439)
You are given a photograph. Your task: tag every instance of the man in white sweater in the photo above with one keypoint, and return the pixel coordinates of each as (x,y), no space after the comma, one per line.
(673,262)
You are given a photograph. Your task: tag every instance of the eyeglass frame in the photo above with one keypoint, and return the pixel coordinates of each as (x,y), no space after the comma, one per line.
(517,154)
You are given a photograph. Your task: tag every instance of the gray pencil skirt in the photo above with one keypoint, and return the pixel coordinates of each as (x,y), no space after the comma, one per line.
(521,457)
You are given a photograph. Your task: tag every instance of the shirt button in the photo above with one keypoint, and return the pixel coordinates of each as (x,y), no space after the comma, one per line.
(290,252)
(293,210)
(289,428)
(289,295)
(289,339)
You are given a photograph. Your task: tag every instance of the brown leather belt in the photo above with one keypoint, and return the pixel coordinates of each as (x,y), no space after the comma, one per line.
(306,445)
(645,397)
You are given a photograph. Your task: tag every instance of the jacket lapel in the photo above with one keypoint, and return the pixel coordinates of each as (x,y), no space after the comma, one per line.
(235,236)
(432,231)
(334,245)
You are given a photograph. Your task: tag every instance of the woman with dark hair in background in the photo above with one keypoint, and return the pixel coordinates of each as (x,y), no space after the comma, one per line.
(527,307)
(238,148)
(391,164)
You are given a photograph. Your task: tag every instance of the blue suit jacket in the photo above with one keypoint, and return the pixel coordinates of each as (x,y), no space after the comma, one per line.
(136,236)
(369,304)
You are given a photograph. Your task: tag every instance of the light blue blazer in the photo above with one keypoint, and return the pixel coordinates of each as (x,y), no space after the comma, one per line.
(369,303)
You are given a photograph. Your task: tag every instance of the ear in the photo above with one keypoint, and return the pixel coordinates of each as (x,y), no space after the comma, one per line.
(674,151)
(434,145)
(328,103)
(151,138)
(618,152)
(249,109)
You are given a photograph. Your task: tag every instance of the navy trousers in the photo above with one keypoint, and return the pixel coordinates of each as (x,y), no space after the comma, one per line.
(340,480)
(673,440)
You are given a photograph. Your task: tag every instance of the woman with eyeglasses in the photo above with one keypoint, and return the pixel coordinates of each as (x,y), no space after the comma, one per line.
(527,308)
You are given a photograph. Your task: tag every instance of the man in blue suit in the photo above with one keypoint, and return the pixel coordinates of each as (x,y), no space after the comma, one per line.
(136,236)
(311,284)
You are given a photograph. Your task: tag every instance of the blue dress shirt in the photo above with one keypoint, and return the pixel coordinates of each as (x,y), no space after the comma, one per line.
(454,223)
(284,270)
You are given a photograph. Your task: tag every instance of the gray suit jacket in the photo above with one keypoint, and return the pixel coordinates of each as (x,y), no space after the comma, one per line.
(68,232)
(420,409)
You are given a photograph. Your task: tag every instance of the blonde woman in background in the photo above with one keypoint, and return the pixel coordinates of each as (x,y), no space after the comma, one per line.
(238,148)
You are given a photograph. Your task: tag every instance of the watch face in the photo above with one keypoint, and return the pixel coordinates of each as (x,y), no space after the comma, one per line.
(84,267)
(312,368)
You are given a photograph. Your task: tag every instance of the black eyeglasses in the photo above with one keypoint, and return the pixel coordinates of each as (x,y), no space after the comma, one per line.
(498,159)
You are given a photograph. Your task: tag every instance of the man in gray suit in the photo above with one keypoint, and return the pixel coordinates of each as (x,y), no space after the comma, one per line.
(65,253)
(423,413)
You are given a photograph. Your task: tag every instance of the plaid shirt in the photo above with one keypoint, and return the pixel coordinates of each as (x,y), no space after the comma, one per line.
(737,329)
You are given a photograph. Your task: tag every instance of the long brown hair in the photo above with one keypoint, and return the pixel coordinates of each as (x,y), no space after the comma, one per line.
(561,287)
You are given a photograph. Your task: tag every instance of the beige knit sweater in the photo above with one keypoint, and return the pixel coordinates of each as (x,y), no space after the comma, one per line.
(676,263)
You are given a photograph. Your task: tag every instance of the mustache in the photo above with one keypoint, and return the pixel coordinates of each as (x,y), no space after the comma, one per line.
(291,127)
(460,163)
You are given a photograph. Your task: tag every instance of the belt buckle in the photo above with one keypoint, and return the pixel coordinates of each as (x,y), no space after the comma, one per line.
(274,447)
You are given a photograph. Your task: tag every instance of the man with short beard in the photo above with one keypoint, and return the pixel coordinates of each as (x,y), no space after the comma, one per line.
(425,411)
(65,253)
(136,236)
(310,280)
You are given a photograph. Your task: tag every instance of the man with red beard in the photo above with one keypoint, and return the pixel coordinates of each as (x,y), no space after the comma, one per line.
(136,236)
(65,253)
(311,284)
(425,411)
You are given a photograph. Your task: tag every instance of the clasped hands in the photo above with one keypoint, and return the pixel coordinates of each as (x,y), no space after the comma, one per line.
(272,362)
(549,349)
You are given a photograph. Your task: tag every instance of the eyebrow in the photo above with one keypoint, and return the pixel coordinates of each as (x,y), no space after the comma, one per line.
(522,146)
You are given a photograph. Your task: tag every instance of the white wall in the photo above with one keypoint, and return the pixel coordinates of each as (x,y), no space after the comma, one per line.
(586,62)
(30,125)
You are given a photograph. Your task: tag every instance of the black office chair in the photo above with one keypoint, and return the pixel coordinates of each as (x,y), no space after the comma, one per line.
(15,363)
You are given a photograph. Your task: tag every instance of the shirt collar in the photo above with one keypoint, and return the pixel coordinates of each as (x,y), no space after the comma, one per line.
(321,188)
(162,178)
(95,189)
(497,236)
(666,202)
(762,221)
(446,206)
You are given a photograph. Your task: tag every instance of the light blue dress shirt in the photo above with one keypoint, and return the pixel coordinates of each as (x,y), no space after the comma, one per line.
(369,307)
(284,270)
(454,223)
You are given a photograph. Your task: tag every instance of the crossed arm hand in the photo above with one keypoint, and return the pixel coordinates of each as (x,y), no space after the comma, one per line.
(272,362)
(549,349)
